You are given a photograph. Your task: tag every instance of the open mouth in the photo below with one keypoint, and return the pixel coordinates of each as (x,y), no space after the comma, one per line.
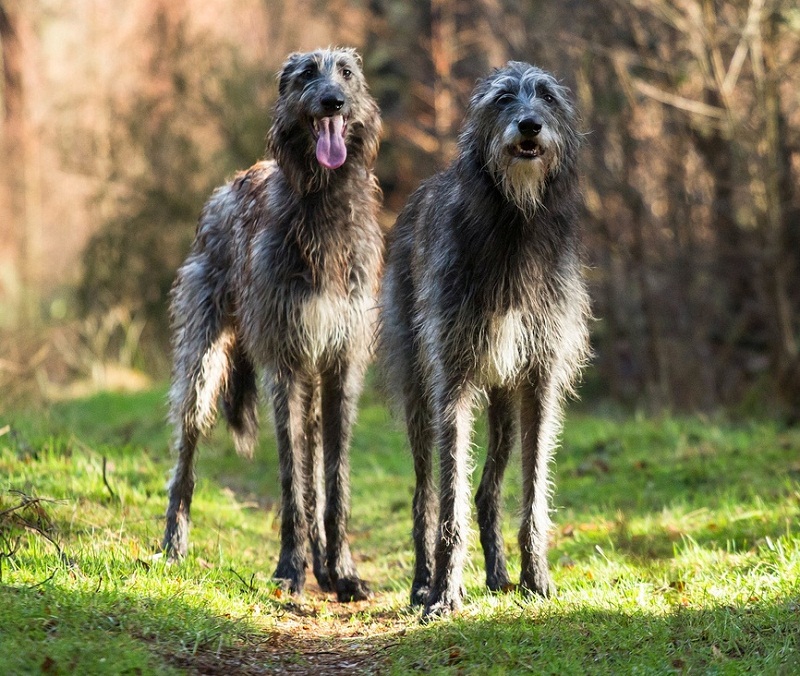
(527,149)
(328,132)
(315,125)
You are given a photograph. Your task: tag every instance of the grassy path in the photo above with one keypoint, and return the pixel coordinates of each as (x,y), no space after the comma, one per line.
(676,550)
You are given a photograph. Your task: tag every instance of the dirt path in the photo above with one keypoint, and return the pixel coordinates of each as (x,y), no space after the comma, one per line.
(312,637)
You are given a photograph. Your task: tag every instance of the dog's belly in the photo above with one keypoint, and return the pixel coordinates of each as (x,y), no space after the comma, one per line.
(508,349)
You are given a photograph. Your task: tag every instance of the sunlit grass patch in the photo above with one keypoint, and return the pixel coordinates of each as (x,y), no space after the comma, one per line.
(675,548)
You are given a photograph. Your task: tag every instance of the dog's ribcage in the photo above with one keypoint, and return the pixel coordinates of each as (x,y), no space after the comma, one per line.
(306,292)
(497,316)
(330,322)
(499,346)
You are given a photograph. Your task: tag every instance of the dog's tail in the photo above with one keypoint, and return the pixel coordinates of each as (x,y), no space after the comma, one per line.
(240,402)
(208,360)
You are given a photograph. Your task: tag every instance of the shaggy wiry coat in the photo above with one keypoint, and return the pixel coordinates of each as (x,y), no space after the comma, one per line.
(283,275)
(483,294)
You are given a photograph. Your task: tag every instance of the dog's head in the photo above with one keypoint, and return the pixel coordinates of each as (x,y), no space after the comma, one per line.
(324,113)
(522,124)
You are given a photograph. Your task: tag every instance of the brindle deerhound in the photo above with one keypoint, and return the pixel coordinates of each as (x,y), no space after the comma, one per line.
(484,294)
(283,274)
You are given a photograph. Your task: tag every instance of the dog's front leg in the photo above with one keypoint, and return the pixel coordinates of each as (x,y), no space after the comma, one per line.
(288,398)
(539,414)
(420,434)
(453,419)
(502,436)
(340,389)
(315,485)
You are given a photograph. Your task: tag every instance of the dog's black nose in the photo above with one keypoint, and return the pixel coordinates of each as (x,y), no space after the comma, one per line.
(529,126)
(332,102)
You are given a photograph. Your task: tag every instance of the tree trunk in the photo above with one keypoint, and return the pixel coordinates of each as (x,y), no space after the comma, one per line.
(443,55)
(14,235)
(777,189)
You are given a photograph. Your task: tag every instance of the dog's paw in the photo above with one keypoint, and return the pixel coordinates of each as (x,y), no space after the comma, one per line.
(163,556)
(175,545)
(500,583)
(290,578)
(288,584)
(419,594)
(443,604)
(537,583)
(349,589)
(173,556)
(324,580)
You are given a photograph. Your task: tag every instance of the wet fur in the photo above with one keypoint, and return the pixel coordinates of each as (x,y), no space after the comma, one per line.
(484,297)
(282,277)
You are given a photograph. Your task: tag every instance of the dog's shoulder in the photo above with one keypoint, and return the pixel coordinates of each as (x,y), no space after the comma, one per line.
(254,178)
(427,201)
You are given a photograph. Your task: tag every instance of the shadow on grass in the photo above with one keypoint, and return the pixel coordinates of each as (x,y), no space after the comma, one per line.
(55,629)
(542,639)
(81,624)
(60,629)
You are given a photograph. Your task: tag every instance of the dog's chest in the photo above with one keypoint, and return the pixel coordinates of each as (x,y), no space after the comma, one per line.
(305,306)
(328,322)
(507,348)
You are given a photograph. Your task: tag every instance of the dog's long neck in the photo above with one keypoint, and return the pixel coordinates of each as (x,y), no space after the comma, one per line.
(506,247)
(554,222)
(329,215)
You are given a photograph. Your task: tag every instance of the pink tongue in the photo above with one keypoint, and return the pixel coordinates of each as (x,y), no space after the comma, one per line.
(331,151)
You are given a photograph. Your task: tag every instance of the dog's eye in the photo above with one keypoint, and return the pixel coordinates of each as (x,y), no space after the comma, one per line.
(544,93)
(504,98)
(347,73)
(308,73)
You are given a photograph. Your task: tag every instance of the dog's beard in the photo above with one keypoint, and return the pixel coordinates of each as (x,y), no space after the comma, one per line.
(522,180)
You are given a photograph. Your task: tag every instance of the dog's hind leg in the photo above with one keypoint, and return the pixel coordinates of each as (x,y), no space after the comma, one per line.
(181,488)
(502,436)
(340,389)
(315,485)
(289,402)
(202,366)
(539,418)
(203,344)
(420,434)
(453,414)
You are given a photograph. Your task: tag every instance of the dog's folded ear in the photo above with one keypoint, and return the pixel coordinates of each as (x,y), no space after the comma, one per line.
(286,71)
(358,58)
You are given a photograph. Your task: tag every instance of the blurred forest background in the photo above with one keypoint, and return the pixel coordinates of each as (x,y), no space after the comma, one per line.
(119,118)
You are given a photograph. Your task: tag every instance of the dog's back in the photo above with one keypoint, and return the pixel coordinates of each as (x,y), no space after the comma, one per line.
(203,315)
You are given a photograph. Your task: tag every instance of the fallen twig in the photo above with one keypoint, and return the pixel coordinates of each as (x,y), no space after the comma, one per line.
(249,586)
(105,480)
(13,517)
(45,581)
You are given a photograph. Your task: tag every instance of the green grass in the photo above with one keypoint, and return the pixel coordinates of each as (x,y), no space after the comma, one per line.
(676,549)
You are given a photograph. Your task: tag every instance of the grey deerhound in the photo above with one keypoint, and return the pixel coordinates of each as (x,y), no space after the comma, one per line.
(483,294)
(284,274)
